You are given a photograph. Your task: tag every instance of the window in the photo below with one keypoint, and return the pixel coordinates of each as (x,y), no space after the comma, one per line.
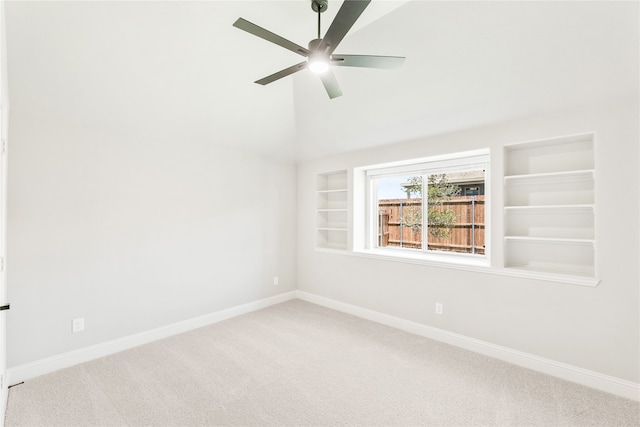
(429,207)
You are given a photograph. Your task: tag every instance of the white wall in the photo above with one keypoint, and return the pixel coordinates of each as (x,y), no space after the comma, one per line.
(4,122)
(595,328)
(134,233)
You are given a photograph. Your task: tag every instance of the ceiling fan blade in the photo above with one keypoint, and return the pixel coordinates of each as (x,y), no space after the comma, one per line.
(367,61)
(282,73)
(331,84)
(344,20)
(249,27)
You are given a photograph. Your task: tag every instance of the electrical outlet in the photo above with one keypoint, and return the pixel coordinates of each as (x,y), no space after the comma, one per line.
(276,281)
(439,308)
(77,325)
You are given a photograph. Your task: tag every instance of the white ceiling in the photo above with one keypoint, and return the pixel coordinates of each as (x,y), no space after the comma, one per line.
(180,70)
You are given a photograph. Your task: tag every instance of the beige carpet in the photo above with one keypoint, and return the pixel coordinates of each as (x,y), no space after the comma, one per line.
(300,364)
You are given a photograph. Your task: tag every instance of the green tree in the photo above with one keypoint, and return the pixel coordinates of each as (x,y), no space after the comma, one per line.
(439,190)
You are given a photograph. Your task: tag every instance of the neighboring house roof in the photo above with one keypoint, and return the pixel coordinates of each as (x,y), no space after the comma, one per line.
(466,177)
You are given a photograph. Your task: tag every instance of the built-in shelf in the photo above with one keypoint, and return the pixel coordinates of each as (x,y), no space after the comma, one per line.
(550,221)
(561,189)
(549,193)
(332,210)
(572,153)
(559,256)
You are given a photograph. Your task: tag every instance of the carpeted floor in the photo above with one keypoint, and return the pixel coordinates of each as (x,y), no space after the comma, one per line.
(300,364)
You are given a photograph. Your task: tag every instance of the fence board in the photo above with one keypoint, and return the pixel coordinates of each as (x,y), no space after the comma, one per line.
(467,235)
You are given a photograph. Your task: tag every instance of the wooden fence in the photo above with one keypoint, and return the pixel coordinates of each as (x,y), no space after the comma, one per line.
(467,235)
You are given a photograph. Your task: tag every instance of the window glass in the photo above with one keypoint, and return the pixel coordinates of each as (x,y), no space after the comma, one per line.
(452,220)
(399,202)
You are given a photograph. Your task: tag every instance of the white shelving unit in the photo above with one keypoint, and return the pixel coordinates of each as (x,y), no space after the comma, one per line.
(332,210)
(550,206)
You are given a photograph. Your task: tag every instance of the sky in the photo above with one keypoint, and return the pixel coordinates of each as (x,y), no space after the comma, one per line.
(391,188)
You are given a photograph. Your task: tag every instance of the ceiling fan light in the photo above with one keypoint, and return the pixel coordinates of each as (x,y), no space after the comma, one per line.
(318,64)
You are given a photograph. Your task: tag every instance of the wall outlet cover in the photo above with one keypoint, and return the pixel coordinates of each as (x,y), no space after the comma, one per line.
(77,325)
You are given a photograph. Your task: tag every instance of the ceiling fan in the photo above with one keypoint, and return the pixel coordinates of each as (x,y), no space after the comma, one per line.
(319,54)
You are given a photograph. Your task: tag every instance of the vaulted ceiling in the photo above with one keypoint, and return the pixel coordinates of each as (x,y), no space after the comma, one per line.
(180,70)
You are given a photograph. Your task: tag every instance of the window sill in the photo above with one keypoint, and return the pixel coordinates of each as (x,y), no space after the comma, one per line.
(458,261)
(466,263)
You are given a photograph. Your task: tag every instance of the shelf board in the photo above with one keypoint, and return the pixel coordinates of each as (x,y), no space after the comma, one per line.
(332,210)
(336,249)
(578,277)
(331,228)
(336,190)
(561,240)
(554,208)
(577,175)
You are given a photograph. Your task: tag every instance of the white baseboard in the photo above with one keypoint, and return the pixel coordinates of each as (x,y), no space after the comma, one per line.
(596,380)
(51,364)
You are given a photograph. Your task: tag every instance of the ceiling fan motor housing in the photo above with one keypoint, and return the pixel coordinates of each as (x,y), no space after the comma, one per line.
(315,45)
(319,5)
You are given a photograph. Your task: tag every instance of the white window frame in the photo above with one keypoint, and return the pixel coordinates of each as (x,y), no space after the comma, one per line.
(367,241)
